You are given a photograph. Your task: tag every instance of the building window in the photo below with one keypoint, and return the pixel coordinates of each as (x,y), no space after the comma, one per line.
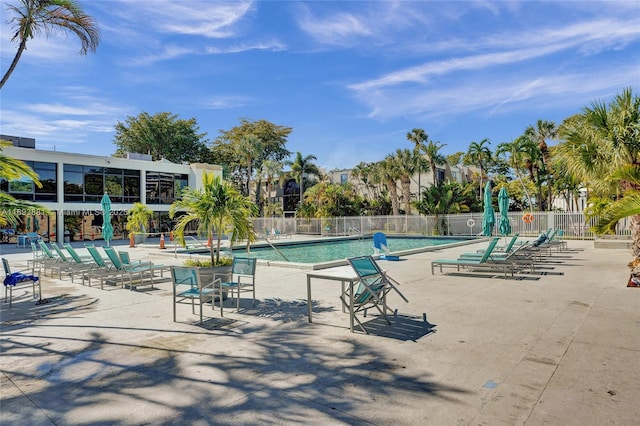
(344,177)
(88,184)
(164,188)
(25,189)
(439,175)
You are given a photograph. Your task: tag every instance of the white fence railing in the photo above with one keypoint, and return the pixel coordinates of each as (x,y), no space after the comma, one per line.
(572,225)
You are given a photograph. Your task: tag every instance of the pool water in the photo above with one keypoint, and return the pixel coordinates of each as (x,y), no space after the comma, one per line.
(326,251)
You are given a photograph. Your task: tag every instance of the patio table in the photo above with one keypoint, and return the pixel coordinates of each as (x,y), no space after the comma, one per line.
(344,274)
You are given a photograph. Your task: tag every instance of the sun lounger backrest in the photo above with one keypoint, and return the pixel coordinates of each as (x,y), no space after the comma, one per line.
(72,252)
(46,250)
(489,249)
(96,256)
(113,257)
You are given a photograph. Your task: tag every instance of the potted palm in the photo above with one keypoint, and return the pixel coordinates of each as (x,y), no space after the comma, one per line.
(218,209)
(138,218)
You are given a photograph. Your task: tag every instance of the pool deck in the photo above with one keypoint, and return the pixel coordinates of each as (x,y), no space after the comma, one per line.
(560,346)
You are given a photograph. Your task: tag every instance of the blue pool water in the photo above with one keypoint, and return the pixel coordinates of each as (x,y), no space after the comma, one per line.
(326,251)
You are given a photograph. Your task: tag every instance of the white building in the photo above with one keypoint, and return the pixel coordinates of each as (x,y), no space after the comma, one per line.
(73,186)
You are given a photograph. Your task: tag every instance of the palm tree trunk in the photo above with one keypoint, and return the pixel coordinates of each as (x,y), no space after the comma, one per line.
(14,63)
(635,235)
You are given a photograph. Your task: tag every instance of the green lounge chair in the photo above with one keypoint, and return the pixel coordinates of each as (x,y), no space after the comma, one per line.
(71,266)
(103,270)
(141,272)
(189,288)
(478,262)
(126,260)
(370,291)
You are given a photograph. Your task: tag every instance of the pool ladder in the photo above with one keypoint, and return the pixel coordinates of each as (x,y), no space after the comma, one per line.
(276,249)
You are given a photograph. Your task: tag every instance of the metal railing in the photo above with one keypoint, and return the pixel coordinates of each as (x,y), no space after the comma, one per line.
(572,225)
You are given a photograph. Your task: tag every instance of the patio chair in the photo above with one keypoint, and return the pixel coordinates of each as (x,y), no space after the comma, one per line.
(13,280)
(242,279)
(370,291)
(141,271)
(189,288)
(82,264)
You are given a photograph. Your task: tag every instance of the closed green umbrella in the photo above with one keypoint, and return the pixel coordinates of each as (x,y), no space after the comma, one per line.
(503,205)
(489,215)
(107,228)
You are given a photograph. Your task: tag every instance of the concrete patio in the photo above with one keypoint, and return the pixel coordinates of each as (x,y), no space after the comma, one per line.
(561,347)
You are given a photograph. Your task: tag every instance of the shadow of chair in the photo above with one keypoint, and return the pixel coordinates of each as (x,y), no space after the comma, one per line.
(188,288)
(369,291)
(13,280)
(242,279)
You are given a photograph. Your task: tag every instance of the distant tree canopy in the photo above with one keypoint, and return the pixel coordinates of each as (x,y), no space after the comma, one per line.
(162,135)
(244,148)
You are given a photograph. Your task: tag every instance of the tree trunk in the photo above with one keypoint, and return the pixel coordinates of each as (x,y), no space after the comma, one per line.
(14,63)
(635,235)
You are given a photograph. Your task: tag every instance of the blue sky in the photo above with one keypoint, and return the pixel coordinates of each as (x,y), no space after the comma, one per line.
(351,77)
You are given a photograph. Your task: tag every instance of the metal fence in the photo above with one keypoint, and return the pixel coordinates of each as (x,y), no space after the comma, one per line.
(572,225)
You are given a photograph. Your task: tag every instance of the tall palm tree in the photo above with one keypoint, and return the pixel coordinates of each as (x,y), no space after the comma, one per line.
(217,208)
(543,131)
(515,153)
(388,172)
(479,154)
(407,164)
(434,157)
(270,169)
(418,137)
(249,148)
(301,166)
(34,17)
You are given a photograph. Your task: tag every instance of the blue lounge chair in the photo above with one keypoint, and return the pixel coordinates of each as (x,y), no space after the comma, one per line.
(381,248)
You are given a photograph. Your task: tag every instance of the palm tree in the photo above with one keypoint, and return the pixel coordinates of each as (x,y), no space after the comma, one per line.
(601,148)
(249,148)
(479,155)
(543,131)
(217,208)
(270,169)
(407,163)
(388,172)
(35,17)
(418,137)
(434,157)
(516,151)
(301,166)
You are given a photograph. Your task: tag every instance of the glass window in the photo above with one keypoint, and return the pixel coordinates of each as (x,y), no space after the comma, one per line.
(113,186)
(93,184)
(21,186)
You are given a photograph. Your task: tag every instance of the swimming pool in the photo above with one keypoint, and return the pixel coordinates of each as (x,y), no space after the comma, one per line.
(317,254)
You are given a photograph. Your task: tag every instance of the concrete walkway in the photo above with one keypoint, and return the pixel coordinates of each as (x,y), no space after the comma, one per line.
(558,347)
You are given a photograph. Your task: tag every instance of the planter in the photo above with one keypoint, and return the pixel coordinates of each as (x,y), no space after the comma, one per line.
(207,274)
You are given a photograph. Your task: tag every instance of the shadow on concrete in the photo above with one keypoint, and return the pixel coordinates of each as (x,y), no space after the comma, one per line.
(218,373)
